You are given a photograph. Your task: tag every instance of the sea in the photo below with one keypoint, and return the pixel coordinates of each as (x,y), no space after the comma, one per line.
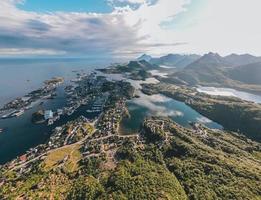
(20,76)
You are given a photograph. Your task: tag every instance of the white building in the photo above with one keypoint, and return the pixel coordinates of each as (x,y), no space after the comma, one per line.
(48,114)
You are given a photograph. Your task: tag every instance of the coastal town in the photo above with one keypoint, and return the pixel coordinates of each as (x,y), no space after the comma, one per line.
(105,102)
(18,106)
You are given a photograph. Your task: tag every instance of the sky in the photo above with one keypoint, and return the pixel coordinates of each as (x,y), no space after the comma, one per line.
(128,28)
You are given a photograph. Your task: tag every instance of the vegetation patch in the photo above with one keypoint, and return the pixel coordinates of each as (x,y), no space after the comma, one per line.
(65,157)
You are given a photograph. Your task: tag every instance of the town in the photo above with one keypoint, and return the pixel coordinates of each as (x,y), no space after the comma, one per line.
(95,136)
(18,106)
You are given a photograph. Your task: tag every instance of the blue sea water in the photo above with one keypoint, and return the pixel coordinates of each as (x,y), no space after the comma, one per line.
(19,77)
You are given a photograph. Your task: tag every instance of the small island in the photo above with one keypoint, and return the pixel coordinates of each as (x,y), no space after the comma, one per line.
(18,106)
(135,70)
(38,117)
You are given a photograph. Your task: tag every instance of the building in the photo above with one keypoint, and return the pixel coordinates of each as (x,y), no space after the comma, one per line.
(48,114)
(25,99)
(23,158)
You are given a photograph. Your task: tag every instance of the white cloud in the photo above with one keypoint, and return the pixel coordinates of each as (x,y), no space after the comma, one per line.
(28,52)
(223,26)
(148,19)
(73,33)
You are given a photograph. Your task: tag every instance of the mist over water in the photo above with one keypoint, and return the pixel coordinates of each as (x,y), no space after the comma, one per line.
(230,92)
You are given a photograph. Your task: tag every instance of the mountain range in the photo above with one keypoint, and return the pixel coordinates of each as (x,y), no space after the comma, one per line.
(236,71)
(171,60)
(244,59)
(250,73)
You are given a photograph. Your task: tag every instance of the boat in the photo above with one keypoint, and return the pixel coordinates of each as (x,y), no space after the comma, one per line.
(5,116)
(93,111)
(18,113)
(1,130)
(70,112)
(28,107)
(89,111)
(9,115)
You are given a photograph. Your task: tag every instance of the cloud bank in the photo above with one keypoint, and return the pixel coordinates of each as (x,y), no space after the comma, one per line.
(133,27)
(70,33)
(122,32)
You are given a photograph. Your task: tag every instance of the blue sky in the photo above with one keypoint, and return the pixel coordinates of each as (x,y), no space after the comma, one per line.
(128,28)
(98,6)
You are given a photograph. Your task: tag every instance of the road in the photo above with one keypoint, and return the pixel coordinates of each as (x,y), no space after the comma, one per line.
(66,146)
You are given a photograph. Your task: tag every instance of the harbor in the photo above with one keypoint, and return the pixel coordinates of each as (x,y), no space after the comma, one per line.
(18,106)
(107,100)
(80,96)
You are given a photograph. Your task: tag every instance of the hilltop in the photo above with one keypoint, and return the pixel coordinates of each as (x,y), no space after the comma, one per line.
(244,59)
(249,74)
(136,70)
(171,60)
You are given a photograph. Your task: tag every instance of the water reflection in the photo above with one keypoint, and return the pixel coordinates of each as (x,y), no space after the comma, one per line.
(160,105)
(230,92)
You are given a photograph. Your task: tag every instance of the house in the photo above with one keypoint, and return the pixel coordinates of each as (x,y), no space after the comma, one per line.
(23,158)
(48,114)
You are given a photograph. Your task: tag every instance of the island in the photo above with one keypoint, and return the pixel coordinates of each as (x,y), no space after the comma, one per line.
(135,70)
(18,106)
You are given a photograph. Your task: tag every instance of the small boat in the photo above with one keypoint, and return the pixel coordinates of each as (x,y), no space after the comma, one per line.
(28,107)
(5,116)
(18,113)
(9,115)
(70,112)
(1,130)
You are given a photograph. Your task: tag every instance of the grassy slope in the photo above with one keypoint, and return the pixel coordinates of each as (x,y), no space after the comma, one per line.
(216,166)
(175,163)
(132,179)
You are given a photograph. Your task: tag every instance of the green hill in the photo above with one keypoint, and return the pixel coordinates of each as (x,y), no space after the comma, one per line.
(209,164)
(172,163)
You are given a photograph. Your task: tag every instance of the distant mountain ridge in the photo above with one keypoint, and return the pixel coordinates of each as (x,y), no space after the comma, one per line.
(214,70)
(183,60)
(244,59)
(235,71)
(208,60)
(171,60)
(250,73)
(208,68)
(144,57)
